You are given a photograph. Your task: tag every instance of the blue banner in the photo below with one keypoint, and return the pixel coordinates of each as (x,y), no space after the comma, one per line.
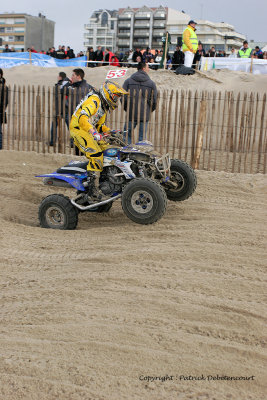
(8,60)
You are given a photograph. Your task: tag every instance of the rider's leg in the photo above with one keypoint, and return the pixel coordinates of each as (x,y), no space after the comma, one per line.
(93,151)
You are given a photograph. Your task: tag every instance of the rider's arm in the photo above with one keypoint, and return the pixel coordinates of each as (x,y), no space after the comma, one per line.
(89,109)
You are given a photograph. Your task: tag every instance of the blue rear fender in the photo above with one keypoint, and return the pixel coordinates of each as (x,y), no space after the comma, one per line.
(74,180)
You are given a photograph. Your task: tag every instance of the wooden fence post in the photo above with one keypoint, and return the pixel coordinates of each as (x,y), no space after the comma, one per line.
(201,124)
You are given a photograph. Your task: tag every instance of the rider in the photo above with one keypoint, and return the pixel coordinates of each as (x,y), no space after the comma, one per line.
(87,125)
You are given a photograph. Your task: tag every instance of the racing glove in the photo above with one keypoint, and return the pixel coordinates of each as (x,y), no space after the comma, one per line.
(97,136)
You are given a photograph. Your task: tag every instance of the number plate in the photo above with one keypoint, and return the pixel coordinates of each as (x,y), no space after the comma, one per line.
(116,73)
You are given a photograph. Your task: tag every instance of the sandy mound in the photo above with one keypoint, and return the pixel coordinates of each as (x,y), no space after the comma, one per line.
(236,81)
(90,313)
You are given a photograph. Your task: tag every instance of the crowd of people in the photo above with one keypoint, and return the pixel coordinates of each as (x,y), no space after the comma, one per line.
(104,56)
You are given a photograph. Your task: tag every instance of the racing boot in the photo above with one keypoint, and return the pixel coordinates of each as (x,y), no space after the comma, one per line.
(93,187)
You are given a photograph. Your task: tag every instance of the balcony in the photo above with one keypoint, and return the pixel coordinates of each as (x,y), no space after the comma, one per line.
(159,25)
(124,25)
(122,42)
(156,45)
(138,44)
(141,33)
(124,17)
(142,16)
(123,34)
(160,16)
(158,33)
(142,25)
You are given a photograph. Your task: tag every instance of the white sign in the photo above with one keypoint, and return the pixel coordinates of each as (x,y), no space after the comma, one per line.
(116,73)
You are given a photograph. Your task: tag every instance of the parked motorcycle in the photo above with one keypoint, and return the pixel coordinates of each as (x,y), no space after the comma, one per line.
(136,173)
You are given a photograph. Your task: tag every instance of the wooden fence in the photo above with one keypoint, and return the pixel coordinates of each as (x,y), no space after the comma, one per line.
(222,131)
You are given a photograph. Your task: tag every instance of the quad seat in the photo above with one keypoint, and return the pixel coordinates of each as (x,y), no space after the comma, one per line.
(75,168)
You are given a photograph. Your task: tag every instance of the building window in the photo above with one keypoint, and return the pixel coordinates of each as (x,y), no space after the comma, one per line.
(2,29)
(19,38)
(19,21)
(9,29)
(111,25)
(11,38)
(104,19)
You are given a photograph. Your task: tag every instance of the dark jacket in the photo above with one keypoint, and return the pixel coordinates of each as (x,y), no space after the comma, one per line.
(140,81)
(70,53)
(82,88)
(59,93)
(3,100)
(177,58)
(136,54)
(99,55)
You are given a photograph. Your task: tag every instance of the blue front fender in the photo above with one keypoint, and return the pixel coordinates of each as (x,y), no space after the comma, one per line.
(75,181)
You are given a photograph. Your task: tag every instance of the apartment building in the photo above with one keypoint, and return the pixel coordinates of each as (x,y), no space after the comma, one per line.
(141,27)
(101,30)
(131,28)
(21,31)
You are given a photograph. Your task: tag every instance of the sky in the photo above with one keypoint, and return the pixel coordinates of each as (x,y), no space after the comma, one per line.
(70,16)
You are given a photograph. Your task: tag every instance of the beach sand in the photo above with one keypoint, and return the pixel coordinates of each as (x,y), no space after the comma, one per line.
(232,81)
(92,313)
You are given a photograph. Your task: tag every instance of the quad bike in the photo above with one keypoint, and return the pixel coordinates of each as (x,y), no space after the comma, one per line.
(137,174)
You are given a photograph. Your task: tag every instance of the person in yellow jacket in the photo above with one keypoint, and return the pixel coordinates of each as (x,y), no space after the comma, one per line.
(87,125)
(190,43)
(245,51)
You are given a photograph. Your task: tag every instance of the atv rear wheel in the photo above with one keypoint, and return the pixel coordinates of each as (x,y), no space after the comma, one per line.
(144,201)
(57,212)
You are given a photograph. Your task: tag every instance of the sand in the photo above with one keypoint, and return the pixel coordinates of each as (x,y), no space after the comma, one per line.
(92,313)
(231,80)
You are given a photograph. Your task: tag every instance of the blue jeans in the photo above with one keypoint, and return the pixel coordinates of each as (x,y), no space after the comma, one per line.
(142,130)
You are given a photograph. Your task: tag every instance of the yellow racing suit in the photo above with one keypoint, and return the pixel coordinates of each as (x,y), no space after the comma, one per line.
(90,115)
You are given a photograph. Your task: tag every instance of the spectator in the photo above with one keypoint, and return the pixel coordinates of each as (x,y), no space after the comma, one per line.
(140,81)
(114,61)
(99,56)
(159,57)
(136,54)
(211,52)
(152,64)
(52,52)
(257,53)
(77,82)
(245,51)
(108,56)
(220,54)
(130,57)
(3,103)
(60,53)
(200,53)
(33,50)
(62,81)
(6,49)
(190,43)
(265,55)
(168,62)
(70,53)
(233,53)
(91,57)
(147,55)
(177,58)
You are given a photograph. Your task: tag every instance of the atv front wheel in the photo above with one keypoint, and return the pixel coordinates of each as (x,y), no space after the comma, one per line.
(57,212)
(144,201)
(185,179)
